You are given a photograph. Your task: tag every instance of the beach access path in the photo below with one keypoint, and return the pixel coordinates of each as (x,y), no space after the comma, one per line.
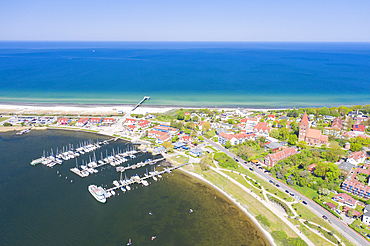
(342,228)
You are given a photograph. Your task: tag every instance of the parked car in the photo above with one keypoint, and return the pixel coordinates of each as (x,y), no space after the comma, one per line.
(291,194)
(324,217)
(277,185)
(286,191)
(237,160)
(251,169)
(304,202)
(271,181)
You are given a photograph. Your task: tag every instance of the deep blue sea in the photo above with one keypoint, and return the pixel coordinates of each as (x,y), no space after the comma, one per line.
(186,73)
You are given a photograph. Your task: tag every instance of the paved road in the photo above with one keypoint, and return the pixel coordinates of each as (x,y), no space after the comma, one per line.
(346,231)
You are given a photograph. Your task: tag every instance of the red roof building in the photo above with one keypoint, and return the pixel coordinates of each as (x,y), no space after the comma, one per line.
(144,123)
(271,117)
(311,168)
(129,122)
(154,134)
(244,120)
(169,130)
(131,127)
(345,199)
(272,159)
(82,121)
(108,121)
(359,128)
(261,129)
(235,139)
(331,205)
(356,157)
(355,187)
(95,120)
(310,136)
(63,121)
(356,213)
(186,139)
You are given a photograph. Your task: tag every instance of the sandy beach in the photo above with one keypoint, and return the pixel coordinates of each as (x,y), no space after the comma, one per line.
(94,109)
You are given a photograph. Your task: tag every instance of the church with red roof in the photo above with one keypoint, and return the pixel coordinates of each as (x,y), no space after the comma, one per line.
(310,136)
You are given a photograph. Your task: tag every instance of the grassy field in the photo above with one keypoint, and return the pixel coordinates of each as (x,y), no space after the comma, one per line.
(310,193)
(209,134)
(3,118)
(316,239)
(179,159)
(241,180)
(269,187)
(248,201)
(307,214)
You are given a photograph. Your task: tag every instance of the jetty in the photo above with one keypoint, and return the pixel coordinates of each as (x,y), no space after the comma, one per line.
(136,179)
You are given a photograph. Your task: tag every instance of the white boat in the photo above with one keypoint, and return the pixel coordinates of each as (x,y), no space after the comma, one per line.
(115,182)
(145,183)
(128,187)
(154,178)
(113,193)
(98,193)
(123,189)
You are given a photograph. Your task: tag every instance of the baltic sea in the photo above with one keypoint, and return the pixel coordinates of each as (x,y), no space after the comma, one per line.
(186,73)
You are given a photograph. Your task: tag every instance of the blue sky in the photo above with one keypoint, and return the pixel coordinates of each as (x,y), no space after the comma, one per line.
(169,20)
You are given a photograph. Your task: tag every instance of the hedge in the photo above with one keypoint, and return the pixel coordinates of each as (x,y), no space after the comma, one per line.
(326,207)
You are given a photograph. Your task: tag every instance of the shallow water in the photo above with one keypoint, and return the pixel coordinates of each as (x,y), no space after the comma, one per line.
(40,208)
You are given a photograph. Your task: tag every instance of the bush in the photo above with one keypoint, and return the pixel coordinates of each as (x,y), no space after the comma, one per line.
(225,161)
(280,236)
(7,124)
(263,220)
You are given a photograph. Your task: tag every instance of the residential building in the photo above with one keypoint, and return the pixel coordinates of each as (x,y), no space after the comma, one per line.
(261,129)
(131,128)
(355,187)
(272,159)
(345,199)
(129,122)
(144,123)
(366,215)
(82,122)
(196,152)
(310,136)
(358,129)
(186,139)
(95,120)
(311,168)
(235,138)
(346,166)
(166,129)
(356,157)
(274,146)
(63,121)
(108,121)
(164,138)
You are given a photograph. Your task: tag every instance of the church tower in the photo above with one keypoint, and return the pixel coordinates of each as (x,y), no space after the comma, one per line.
(303,127)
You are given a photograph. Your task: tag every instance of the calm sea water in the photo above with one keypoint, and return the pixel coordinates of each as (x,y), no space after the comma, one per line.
(192,74)
(37,207)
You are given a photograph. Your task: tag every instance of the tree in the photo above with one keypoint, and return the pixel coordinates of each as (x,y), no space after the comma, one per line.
(323,191)
(283,123)
(7,124)
(195,118)
(320,169)
(180,115)
(302,144)
(351,212)
(175,138)
(274,133)
(187,117)
(228,145)
(206,126)
(245,152)
(284,133)
(356,146)
(230,121)
(292,139)
(205,162)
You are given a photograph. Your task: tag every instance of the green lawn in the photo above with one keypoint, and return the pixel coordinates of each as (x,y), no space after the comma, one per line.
(241,180)
(4,118)
(179,159)
(307,214)
(310,193)
(209,134)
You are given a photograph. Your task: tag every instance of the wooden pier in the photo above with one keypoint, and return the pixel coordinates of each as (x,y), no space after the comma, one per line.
(139,180)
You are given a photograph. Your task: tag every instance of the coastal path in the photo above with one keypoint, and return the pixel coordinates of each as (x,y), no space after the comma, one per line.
(341,227)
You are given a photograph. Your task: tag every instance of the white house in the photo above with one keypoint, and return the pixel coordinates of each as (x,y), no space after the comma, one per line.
(356,158)
(366,215)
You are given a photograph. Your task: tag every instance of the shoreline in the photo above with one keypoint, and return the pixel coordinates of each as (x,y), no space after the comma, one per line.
(245,211)
(102,109)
